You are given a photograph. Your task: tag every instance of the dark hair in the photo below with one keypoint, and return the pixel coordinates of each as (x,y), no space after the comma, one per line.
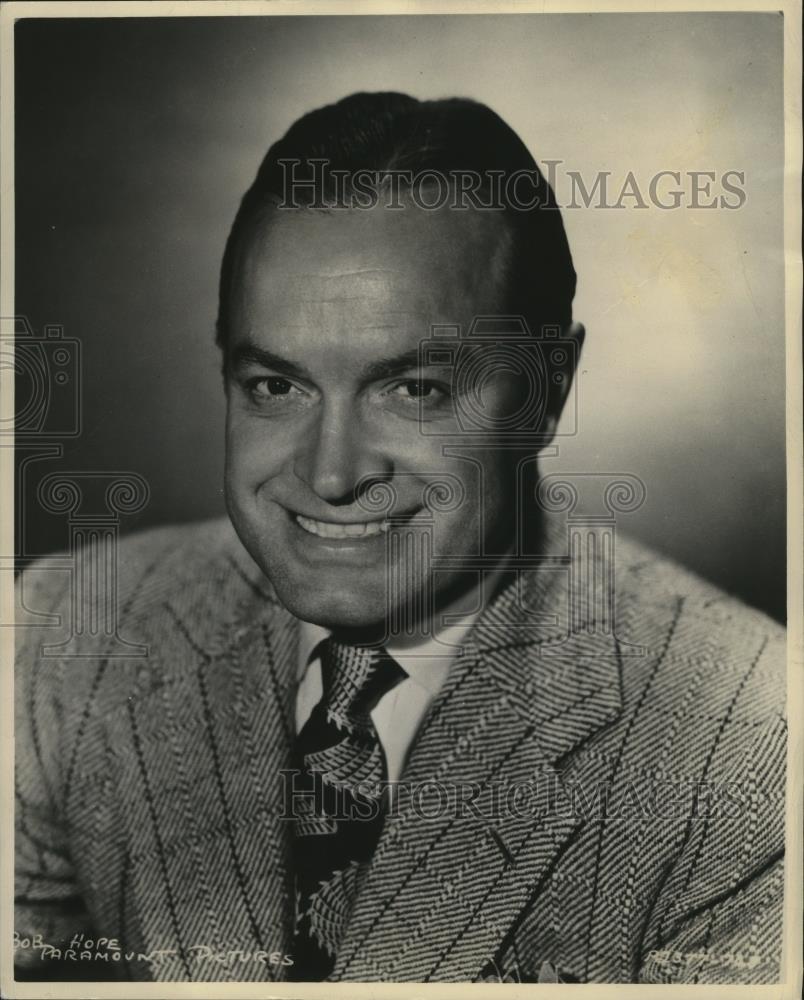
(381,132)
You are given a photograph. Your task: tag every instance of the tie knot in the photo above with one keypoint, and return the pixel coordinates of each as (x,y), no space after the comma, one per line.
(354,679)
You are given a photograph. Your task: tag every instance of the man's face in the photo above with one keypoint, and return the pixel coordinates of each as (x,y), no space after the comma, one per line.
(326,397)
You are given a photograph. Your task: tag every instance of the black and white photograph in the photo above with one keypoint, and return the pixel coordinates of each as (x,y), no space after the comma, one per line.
(401,447)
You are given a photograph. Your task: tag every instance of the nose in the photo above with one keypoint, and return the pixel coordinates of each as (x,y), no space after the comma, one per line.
(339,453)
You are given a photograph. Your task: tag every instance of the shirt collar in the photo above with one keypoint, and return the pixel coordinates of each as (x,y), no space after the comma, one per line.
(426,662)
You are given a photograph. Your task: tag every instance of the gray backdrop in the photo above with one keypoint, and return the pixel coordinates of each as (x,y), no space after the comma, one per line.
(136,138)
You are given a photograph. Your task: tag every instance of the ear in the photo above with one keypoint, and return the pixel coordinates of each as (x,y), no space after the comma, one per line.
(560,388)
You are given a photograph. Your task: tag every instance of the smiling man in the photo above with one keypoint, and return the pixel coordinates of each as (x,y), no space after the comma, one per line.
(322,348)
(405,721)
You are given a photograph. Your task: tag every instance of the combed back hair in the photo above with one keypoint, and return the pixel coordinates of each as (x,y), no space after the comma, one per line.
(381,132)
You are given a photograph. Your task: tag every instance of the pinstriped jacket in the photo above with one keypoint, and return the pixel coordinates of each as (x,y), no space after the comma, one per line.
(581,804)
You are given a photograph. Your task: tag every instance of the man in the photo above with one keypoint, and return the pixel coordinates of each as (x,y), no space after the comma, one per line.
(407,721)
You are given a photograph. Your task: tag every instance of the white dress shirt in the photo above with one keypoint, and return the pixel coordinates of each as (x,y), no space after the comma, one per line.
(398,715)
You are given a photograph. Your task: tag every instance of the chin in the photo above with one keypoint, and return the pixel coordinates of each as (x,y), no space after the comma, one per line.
(334,607)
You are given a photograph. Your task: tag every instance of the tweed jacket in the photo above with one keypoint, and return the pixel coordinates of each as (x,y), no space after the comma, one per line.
(585,803)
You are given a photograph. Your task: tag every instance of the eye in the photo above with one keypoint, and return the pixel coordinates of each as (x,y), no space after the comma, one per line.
(276,386)
(272,389)
(415,389)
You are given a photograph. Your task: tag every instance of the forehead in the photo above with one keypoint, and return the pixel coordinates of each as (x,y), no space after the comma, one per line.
(379,269)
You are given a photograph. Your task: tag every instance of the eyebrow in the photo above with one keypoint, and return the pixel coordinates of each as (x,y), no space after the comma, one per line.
(392,366)
(248,353)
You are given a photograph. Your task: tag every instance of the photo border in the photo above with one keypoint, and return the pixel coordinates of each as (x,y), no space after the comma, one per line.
(791,961)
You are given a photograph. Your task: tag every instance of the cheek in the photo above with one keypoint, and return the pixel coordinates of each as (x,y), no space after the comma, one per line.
(489,488)
(254,452)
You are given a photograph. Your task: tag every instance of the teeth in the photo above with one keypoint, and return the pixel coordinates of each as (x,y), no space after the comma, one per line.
(325,529)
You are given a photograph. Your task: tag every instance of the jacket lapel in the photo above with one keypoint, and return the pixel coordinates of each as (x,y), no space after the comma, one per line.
(482,814)
(199,746)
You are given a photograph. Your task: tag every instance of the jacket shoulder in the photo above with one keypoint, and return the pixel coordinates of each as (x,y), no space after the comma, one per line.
(160,593)
(659,578)
(700,669)
(178,559)
(698,623)
(148,567)
(94,631)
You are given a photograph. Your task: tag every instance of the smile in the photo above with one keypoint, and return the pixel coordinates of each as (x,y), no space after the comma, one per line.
(327,529)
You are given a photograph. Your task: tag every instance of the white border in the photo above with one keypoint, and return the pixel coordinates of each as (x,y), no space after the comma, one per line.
(795,492)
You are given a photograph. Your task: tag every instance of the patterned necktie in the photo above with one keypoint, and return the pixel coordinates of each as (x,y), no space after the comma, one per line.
(338,800)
